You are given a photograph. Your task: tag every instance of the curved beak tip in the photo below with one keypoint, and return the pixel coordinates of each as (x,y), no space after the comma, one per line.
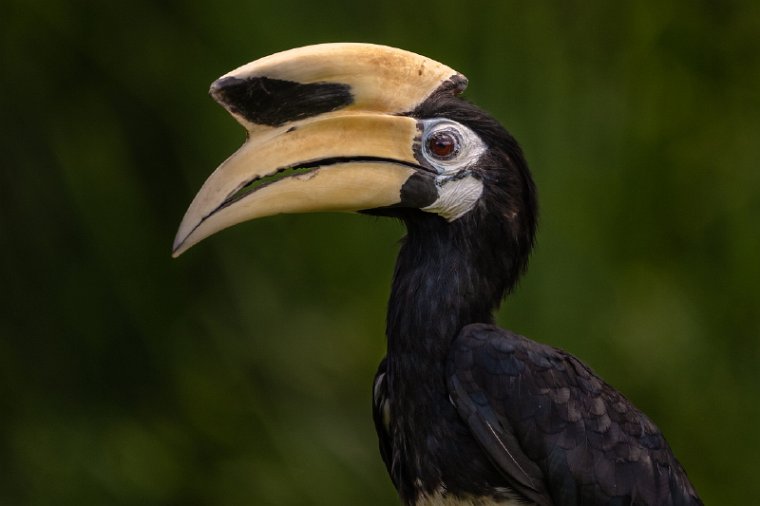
(177,249)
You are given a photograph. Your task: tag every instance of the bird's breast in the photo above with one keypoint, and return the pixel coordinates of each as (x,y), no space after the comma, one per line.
(435,461)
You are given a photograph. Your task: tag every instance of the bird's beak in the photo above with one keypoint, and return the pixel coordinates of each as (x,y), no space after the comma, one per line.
(327,131)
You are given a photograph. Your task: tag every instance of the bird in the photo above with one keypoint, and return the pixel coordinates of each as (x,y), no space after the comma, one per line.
(466,413)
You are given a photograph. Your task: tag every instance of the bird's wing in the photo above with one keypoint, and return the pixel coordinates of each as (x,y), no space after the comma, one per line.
(559,433)
(381,416)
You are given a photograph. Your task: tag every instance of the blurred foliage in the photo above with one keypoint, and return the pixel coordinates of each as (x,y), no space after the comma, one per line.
(241,373)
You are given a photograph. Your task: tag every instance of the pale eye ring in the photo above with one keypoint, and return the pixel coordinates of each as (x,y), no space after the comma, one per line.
(443,144)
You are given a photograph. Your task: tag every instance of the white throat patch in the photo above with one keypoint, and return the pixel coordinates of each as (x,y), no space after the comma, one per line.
(456,196)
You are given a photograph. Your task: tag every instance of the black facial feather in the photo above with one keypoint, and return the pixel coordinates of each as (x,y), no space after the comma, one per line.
(508,208)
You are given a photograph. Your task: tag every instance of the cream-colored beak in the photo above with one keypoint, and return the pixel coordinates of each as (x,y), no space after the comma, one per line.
(326,132)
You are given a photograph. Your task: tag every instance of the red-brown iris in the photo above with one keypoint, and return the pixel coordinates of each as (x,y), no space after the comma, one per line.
(443,144)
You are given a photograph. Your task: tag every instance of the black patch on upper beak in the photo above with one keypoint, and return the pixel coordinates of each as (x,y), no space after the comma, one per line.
(274,102)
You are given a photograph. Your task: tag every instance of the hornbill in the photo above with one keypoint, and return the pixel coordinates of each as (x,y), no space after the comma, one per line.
(466,412)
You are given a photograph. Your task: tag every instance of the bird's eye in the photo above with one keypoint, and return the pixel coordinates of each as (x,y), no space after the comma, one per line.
(449,147)
(443,144)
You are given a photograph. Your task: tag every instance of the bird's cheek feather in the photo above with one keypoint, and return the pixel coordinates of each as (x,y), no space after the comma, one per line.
(456,197)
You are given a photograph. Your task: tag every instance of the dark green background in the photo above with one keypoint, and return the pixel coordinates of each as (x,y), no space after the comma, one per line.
(241,373)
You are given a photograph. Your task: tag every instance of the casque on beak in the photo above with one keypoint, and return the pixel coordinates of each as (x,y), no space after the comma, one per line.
(328,130)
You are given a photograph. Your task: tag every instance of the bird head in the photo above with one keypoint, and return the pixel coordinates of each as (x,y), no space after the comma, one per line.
(367,128)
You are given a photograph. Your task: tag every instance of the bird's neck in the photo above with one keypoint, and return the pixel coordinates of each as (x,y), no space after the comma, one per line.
(445,279)
(447,275)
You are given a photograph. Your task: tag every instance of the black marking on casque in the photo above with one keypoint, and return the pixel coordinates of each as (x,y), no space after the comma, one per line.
(448,89)
(454,85)
(274,102)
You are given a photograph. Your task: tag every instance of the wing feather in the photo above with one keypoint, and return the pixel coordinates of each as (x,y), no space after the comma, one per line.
(558,433)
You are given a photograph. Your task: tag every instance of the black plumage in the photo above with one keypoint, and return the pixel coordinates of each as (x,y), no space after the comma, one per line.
(466,410)
(579,441)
